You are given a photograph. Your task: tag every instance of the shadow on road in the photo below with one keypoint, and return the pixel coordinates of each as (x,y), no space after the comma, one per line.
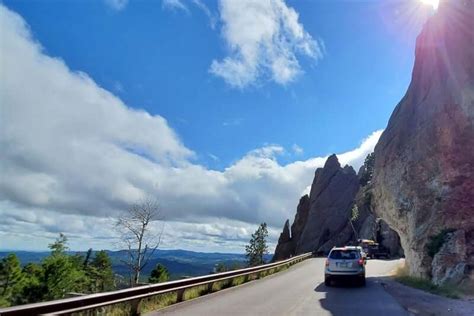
(338,284)
(348,298)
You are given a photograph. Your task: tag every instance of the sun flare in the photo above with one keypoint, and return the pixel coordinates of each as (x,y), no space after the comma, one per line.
(433,3)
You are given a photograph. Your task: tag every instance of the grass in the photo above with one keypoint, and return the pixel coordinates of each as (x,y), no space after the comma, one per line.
(401,275)
(194,292)
(428,286)
(160,301)
(157,302)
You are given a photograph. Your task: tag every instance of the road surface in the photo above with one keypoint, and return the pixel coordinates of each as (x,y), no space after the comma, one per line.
(299,290)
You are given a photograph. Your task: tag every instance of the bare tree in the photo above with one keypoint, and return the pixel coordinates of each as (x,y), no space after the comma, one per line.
(138,237)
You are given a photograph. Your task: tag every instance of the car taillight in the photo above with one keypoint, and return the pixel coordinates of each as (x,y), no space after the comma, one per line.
(361,262)
(327,263)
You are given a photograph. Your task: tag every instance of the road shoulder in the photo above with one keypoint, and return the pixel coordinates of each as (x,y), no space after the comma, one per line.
(418,302)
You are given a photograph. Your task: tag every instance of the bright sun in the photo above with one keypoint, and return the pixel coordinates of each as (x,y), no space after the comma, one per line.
(433,3)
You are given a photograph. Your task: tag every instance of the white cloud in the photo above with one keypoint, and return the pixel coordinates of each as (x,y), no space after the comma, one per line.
(297,149)
(179,5)
(263,38)
(213,157)
(117,5)
(175,5)
(232,122)
(357,156)
(211,16)
(59,135)
(74,155)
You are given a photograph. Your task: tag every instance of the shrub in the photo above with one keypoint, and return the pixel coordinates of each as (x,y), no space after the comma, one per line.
(437,241)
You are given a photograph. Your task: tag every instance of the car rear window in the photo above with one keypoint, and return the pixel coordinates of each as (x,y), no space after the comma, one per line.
(344,254)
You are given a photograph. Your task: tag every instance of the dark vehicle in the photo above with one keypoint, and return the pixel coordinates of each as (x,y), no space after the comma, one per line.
(373,249)
(378,251)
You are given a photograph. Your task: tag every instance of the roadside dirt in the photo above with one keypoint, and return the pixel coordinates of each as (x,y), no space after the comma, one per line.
(418,302)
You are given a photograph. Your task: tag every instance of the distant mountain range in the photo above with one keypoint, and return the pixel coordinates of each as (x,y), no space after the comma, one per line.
(180,263)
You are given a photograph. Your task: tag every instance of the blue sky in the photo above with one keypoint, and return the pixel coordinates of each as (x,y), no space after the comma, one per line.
(340,67)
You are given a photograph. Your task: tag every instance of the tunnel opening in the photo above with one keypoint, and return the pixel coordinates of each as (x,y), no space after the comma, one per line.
(388,238)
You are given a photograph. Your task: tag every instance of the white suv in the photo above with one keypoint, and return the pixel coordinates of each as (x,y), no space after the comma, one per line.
(345,262)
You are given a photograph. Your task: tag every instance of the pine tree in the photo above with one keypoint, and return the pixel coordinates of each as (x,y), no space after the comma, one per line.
(11,279)
(159,274)
(368,169)
(104,276)
(33,290)
(62,273)
(59,246)
(220,267)
(257,247)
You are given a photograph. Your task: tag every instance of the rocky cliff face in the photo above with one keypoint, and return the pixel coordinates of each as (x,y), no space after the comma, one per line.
(287,243)
(332,194)
(322,219)
(424,161)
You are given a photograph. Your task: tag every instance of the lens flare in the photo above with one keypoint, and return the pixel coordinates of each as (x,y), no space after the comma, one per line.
(433,3)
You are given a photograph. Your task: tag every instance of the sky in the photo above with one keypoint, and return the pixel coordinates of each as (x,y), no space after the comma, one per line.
(220,110)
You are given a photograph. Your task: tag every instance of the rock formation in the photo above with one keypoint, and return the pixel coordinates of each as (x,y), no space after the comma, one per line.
(332,194)
(322,219)
(423,183)
(284,248)
(287,244)
(301,217)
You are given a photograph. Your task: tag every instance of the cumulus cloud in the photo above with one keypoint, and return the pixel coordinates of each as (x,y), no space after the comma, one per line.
(74,156)
(263,38)
(116,4)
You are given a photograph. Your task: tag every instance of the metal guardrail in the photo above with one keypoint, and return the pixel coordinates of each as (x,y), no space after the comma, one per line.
(99,300)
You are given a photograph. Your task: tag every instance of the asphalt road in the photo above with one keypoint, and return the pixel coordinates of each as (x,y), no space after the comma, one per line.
(299,290)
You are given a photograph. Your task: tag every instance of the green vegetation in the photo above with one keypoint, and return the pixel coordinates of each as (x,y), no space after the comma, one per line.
(194,292)
(353,218)
(61,273)
(55,277)
(368,169)
(402,276)
(354,213)
(160,301)
(428,286)
(100,273)
(157,302)
(159,274)
(11,279)
(222,267)
(437,241)
(257,247)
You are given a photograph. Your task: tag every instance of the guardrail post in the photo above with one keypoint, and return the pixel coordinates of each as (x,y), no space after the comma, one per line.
(135,307)
(209,287)
(180,295)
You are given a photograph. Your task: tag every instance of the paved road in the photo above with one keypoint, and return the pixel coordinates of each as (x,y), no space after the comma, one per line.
(299,290)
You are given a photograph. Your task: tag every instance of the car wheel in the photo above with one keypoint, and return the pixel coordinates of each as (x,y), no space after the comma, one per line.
(362,281)
(327,281)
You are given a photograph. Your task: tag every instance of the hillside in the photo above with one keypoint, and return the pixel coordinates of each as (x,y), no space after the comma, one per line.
(180,263)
